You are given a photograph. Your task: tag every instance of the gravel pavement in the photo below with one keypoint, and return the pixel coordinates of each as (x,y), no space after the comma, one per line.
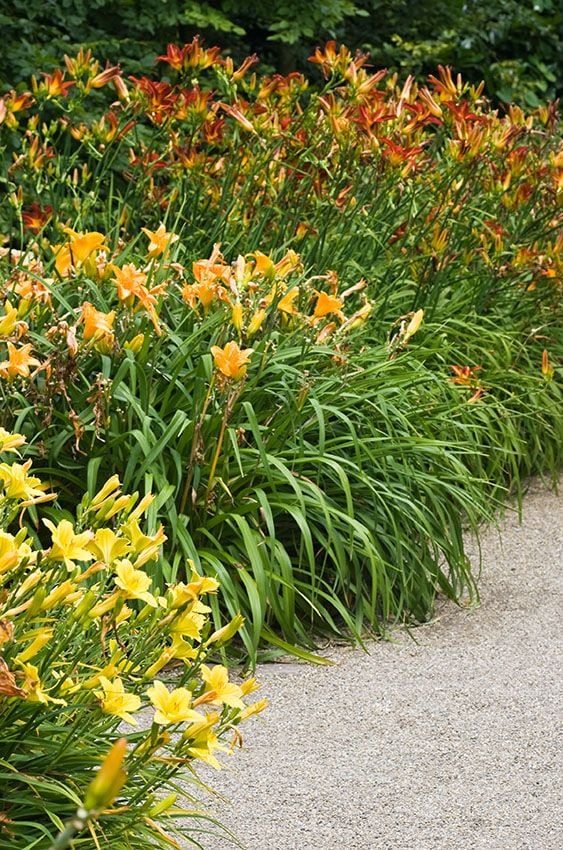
(450,741)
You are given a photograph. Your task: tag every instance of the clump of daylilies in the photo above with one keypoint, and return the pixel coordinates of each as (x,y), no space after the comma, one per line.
(91,649)
(261,293)
(253,295)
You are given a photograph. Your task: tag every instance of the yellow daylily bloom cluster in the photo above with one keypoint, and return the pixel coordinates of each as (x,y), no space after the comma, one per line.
(84,627)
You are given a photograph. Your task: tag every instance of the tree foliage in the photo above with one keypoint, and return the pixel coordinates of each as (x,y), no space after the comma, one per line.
(514,45)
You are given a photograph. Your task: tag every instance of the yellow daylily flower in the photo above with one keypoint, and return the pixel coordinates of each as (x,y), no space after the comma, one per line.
(33,686)
(9,552)
(116,701)
(182,593)
(236,316)
(110,488)
(68,546)
(133,583)
(19,485)
(203,740)
(64,592)
(204,747)
(226,632)
(145,546)
(218,689)
(413,325)
(256,322)
(9,320)
(107,546)
(171,706)
(190,623)
(10,442)
(250,685)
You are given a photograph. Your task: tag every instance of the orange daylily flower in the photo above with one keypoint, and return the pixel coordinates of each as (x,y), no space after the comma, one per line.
(77,250)
(98,327)
(159,240)
(211,275)
(31,289)
(327,304)
(466,376)
(53,85)
(231,360)
(286,305)
(18,362)
(204,292)
(210,271)
(131,283)
(35,217)
(265,266)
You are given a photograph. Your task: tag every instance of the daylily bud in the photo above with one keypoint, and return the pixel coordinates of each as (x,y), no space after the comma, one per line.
(135,344)
(256,322)
(414,324)
(109,779)
(236,316)
(227,632)
(163,805)
(109,488)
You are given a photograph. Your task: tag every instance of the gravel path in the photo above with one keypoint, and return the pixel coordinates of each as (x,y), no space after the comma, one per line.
(451,742)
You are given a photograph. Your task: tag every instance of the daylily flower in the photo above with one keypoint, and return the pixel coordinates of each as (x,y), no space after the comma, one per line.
(231,360)
(68,546)
(171,706)
(10,553)
(77,250)
(190,623)
(226,632)
(236,316)
(9,320)
(115,701)
(10,442)
(145,546)
(19,485)
(34,218)
(133,583)
(204,292)
(108,546)
(203,740)
(256,322)
(327,304)
(98,327)
(413,325)
(18,362)
(159,240)
(39,639)
(286,305)
(547,369)
(131,283)
(53,85)
(218,689)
